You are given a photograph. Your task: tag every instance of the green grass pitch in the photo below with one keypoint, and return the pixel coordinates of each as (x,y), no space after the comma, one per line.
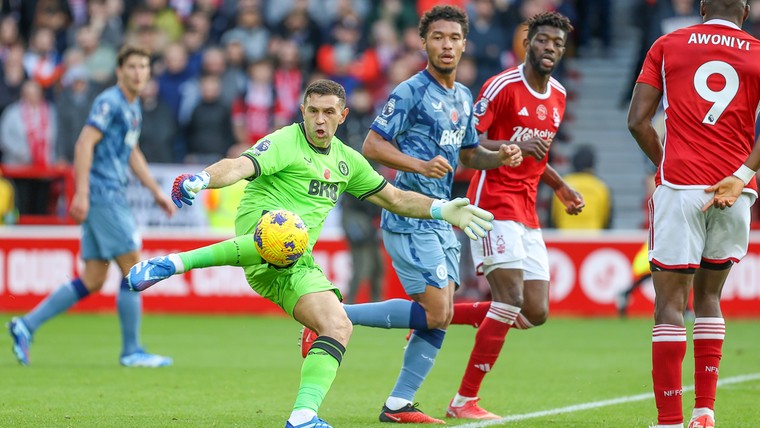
(243,372)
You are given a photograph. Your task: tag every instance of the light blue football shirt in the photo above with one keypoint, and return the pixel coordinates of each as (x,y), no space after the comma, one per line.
(120,123)
(426,120)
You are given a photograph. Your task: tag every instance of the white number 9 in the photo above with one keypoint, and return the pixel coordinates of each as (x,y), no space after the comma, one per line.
(722,98)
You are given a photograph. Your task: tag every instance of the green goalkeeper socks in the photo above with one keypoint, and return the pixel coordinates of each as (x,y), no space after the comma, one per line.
(318,372)
(238,251)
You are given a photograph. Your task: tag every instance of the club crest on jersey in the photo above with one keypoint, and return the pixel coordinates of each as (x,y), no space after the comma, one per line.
(454,116)
(343,168)
(555,116)
(541,112)
(501,245)
(441,272)
(389,107)
(480,107)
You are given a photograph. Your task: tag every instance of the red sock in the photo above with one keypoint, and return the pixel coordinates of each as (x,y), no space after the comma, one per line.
(708,348)
(668,351)
(488,343)
(470,313)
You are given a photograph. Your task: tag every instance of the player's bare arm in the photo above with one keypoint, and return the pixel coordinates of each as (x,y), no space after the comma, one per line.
(570,197)
(473,221)
(384,152)
(139,167)
(402,202)
(729,189)
(83,153)
(220,174)
(481,158)
(644,104)
(229,171)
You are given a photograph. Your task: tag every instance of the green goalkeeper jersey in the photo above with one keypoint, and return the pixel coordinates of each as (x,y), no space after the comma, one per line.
(294,175)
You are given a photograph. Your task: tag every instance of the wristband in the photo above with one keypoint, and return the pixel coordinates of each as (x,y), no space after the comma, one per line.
(745,174)
(205,177)
(435,209)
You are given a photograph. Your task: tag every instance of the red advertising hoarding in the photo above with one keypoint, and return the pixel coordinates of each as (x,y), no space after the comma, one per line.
(588,272)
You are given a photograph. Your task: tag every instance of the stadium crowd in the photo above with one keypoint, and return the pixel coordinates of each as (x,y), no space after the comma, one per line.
(226,72)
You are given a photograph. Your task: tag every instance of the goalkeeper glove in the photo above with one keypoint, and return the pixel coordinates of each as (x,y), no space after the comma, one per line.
(186,186)
(472,220)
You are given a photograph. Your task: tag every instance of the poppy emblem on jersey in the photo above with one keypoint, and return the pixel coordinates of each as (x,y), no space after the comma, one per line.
(327,174)
(454,116)
(389,107)
(480,107)
(555,116)
(541,112)
(343,168)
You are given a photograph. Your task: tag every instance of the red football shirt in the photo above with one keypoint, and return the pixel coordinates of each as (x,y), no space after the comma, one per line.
(508,109)
(710,78)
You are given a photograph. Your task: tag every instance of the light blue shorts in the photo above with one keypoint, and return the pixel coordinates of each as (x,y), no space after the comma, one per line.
(424,258)
(108,231)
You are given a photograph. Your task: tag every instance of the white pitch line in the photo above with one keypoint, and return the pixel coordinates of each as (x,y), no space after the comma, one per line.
(597,404)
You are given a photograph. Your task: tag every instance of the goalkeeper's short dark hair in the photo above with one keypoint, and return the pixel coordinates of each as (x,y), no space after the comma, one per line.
(326,87)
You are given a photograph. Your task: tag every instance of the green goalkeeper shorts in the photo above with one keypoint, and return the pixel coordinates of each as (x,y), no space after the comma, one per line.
(284,286)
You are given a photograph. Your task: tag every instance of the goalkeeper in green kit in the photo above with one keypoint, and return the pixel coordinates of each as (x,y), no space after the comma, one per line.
(301,168)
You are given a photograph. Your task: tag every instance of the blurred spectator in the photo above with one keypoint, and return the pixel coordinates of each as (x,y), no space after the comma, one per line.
(360,219)
(597,214)
(594,21)
(425,5)
(174,76)
(467,73)
(323,12)
(299,28)
(12,76)
(212,63)
(218,21)
(752,24)
(22,12)
(234,56)
(194,40)
(288,83)
(251,34)
(487,41)
(345,60)
(399,14)
(72,107)
(28,129)
(158,127)
(252,114)
(656,19)
(9,36)
(104,17)
(27,138)
(56,16)
(166,19)
(386,44)
(42,60)
(209,132)
(100,60)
